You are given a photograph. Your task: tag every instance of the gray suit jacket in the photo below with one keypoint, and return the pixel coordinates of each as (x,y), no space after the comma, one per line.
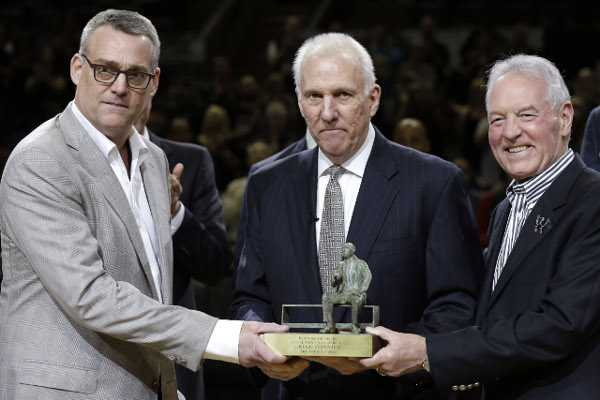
(79,312)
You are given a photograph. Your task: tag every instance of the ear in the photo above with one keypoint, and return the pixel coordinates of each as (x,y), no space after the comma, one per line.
(374,96)
(298,96)
(76,68)
(565,116)
(154,84)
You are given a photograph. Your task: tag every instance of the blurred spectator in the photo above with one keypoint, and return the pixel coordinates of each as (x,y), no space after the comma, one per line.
(436,53)
(281,50)
(411,132)
(216,137)
(234,194)
(180,130)
(246,117)
(275,128)
(590,147)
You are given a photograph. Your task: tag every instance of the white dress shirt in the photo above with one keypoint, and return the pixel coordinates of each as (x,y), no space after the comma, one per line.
(224,340)
(349,181)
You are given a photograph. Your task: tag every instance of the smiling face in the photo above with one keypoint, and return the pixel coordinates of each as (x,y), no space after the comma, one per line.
(112,108)
(334,106)
(526,135)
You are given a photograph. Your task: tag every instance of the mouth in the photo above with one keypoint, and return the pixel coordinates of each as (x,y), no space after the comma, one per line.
(113,104)
(518,149)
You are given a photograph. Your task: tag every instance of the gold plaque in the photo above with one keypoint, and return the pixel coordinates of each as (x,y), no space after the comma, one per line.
(322,344)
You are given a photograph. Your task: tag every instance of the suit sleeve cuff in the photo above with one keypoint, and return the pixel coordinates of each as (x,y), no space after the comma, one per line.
(224,341)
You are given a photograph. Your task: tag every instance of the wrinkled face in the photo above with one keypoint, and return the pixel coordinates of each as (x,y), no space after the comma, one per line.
(334,106)
(526,135)
(113,108)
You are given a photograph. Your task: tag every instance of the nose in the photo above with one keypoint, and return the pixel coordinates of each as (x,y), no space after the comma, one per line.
(512,128)
(119,86)
(329,111)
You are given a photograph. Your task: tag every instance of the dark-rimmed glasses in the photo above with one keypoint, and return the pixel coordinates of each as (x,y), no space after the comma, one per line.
(108,75)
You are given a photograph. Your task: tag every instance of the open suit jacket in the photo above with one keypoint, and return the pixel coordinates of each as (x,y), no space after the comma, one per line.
(200,248)
(79,316)
(412,224)
(538,334)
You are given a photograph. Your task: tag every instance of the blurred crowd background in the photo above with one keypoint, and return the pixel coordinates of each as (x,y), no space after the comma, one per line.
(226,82)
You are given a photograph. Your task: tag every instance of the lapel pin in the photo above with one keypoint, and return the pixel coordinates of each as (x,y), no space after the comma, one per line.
(540,224)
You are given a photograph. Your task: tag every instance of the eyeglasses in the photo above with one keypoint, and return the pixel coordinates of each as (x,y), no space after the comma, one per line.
(108,75)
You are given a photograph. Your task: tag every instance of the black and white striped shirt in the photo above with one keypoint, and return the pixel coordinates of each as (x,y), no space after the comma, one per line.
(523,198)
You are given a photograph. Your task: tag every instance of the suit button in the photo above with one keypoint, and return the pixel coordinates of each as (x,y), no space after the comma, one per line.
(462,388)
(470,386)
(476,384)
(156,387)
(454,388)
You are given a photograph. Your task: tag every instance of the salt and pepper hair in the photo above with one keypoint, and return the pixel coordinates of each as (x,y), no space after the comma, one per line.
(335,44)
(129,22)
(535,68)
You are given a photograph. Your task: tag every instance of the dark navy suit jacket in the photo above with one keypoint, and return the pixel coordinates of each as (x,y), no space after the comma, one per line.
(538,332)
(200,249)
(412,223)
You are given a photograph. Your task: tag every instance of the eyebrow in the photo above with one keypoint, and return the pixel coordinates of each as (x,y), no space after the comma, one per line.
(108,63)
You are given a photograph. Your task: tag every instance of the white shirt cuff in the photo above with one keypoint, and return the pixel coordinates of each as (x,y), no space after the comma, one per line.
(224,341)
(176,222)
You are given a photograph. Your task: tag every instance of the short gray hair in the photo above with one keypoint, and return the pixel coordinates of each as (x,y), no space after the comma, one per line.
(126,21)
(535,68)
(335,43)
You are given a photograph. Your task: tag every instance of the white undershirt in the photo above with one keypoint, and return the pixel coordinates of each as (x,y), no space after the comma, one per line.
(349,181)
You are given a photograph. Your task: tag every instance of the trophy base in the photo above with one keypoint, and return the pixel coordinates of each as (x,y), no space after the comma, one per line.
(323,344)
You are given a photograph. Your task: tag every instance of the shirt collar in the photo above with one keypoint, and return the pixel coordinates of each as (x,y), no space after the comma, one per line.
(535,187)
(357,163)
(107,146)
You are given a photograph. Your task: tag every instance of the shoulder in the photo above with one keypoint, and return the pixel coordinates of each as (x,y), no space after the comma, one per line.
(414,163)
(293,148)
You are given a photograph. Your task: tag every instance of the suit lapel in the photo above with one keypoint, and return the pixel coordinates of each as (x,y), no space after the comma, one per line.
(374,199)
(529,237)
(301,209)
(151,176)
(500,219)
(97,166)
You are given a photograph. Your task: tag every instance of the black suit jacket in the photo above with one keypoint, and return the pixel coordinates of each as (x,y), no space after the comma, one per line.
(538,332)
(412,223)
(200,249)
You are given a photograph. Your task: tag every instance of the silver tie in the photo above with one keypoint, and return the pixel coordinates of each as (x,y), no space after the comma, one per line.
(332,236)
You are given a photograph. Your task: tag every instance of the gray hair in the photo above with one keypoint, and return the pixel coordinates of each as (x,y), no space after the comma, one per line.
(335,43)
(126,21)
(535,68)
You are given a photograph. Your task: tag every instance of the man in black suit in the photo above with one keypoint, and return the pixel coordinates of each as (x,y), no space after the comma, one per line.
(200,247)
(407,213)
(538,320)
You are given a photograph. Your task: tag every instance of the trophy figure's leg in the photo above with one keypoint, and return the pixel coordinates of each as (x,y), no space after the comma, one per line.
(356,306)
(328,314)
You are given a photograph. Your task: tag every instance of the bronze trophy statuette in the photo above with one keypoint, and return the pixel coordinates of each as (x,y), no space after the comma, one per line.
(351,279)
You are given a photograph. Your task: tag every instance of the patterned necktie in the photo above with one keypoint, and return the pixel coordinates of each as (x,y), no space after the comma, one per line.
(333,235)
(516,220)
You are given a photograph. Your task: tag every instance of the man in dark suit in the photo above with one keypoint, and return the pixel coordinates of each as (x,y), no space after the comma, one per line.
(538,320)
(306,143)
(407,213)
(200,249)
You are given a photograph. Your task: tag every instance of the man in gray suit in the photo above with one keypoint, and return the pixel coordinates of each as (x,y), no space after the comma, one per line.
(86,244)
